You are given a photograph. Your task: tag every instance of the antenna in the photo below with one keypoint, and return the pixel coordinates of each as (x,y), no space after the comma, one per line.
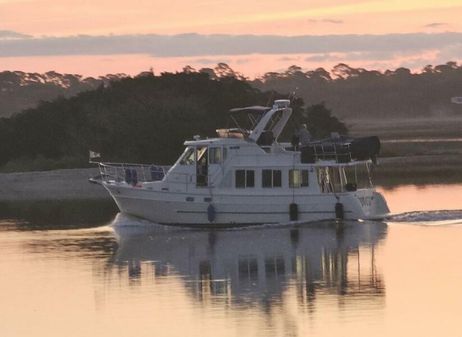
(293,95)
(270,99)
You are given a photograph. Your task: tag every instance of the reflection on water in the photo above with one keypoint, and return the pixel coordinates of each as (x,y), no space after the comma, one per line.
(412,198)
(76,269)
(256,266)
(150,274)
(49,214)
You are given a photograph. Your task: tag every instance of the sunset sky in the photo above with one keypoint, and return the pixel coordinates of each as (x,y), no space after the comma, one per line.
(254,37)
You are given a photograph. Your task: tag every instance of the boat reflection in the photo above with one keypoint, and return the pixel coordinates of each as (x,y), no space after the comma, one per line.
(256,266)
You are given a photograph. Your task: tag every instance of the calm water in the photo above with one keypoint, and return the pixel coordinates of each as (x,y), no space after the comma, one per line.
(77,269)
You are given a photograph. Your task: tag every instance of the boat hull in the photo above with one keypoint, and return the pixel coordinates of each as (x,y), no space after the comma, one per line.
(228,210)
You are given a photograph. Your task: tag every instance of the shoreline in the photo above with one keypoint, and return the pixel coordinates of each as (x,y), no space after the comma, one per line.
(72,184)
(51,185)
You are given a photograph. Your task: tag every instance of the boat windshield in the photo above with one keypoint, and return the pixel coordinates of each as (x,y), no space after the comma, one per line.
(245,119)
(188,157)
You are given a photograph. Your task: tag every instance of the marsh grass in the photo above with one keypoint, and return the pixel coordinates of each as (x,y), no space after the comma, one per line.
(40,163)
(428,128)
(418,170)
(421,148)
(415,151)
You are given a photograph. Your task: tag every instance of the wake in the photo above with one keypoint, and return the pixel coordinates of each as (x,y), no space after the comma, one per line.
(429,218)
(127,223)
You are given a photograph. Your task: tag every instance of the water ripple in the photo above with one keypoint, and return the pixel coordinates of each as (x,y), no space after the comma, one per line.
(439,217)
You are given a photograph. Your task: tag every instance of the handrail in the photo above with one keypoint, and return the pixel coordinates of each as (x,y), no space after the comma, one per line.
(339,155)
(132,173)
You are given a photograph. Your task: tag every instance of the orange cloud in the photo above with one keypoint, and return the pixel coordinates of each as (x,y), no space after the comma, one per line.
(68,17)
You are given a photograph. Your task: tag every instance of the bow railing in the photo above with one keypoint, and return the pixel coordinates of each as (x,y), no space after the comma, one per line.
(131,173)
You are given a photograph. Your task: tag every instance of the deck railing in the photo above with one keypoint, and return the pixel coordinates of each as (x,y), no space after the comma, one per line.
(341,153)
(132,173)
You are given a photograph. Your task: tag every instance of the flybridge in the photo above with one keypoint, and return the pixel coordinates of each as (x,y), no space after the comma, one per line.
(265,123)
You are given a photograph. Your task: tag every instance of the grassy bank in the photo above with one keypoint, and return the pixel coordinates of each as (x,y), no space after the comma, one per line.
(418,170)
(41,163)
(428,128)
(50,185)
(415,151)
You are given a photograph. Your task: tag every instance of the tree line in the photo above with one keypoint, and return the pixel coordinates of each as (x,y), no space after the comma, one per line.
(143,119)
(353,93)
(358,93)
(146,118)
(20,90)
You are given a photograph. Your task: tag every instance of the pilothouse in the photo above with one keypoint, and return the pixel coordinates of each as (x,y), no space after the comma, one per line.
(247,176)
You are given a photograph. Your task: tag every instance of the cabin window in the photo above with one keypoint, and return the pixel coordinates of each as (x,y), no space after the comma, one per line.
(274,266)
(248,268)
(324,180)
(330,179)
(298,178)
(358,176)
(271,178)
(245,178)
(217,155)
(188,157)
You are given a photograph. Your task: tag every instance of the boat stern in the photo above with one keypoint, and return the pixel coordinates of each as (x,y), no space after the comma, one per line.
(379,208)
(368,204)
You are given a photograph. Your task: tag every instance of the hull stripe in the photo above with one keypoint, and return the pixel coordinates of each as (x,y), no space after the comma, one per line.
(262,213)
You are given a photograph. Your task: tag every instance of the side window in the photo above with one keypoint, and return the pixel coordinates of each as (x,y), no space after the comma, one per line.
(240,178)
(298,178)
(277,178)
(324,180)
(215,156)
(250,178)
(271,178)
(305,178)
(244,178)
(267,178)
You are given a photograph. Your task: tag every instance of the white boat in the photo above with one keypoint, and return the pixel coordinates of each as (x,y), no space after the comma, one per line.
(246,176)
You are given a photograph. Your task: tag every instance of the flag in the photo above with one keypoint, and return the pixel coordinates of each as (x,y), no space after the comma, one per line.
(94,155)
